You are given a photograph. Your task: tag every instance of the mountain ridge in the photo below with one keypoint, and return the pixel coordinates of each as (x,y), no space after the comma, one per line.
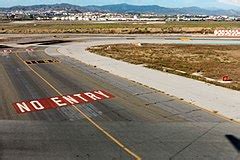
(125,8)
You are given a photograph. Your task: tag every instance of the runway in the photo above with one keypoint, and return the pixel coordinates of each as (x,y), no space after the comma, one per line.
(137,123)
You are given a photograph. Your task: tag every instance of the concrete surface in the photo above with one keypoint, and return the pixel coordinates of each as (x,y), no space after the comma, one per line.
(150,123)
(213,98)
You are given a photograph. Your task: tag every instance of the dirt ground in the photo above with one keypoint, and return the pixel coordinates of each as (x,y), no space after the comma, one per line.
(212,61)
(114,28)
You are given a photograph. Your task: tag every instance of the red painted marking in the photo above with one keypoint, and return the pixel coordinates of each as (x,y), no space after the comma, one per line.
(60,101)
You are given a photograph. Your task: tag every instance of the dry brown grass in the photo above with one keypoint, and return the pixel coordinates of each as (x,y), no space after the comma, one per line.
(212,60)
(115,28)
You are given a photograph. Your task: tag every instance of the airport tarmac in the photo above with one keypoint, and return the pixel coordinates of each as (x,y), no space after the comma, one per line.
(136,123)
(213,98)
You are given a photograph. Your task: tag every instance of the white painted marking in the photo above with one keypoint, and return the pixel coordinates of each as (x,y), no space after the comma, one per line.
(79,96)
(92,96)
(70,99)
(37,105)
(58,101)
(101,93)
(23,107)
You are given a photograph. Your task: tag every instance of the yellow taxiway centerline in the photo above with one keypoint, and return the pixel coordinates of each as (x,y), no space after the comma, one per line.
(108,135)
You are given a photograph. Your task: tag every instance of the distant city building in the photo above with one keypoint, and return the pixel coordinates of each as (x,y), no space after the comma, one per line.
(3,16)
(63,15)
(226,32)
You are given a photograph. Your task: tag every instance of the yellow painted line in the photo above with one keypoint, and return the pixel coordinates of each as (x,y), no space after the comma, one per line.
(185,39)
(28,62)
(112,138)
(46,61)
(203,109)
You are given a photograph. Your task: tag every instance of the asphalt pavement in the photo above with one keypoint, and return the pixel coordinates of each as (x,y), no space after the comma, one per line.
(137,123)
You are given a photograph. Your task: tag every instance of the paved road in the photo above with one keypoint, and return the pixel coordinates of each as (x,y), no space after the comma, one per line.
(138,122)
(208,96)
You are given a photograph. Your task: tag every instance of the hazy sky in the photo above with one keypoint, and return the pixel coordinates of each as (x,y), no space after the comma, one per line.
(166,3)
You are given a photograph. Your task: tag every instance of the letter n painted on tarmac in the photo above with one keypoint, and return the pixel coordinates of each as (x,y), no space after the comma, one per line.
(22,107)
(70,99)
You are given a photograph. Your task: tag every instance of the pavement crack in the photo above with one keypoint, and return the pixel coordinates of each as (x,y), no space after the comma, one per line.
(177,114)
(148,104)
(145,93)
(194,110)
(172,157)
